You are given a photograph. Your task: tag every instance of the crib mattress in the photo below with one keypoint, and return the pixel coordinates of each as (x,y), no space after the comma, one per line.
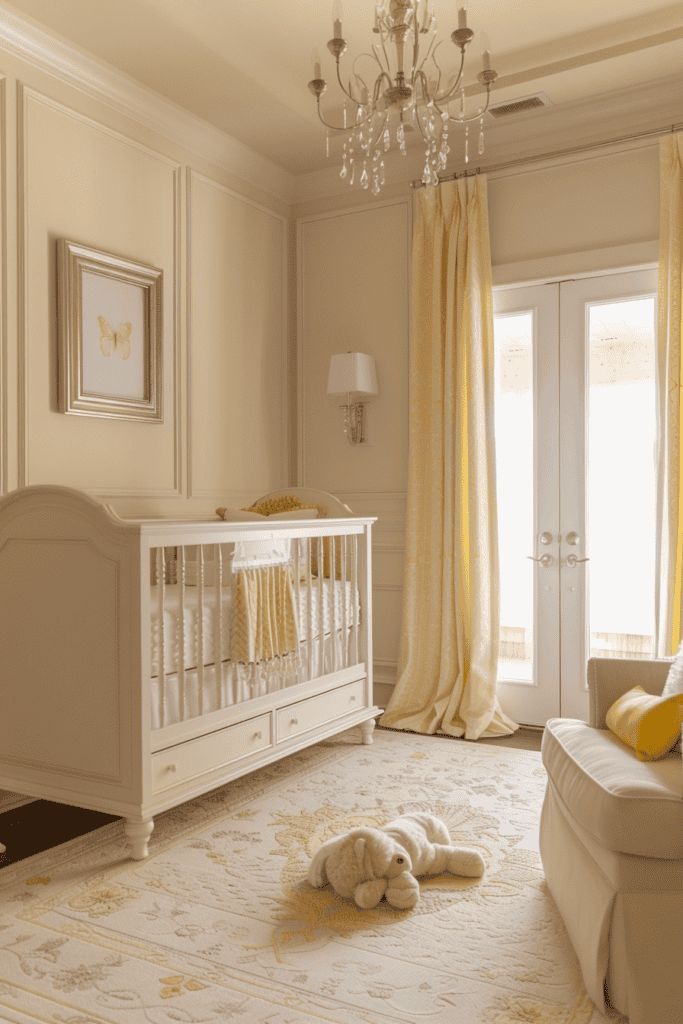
(330,611)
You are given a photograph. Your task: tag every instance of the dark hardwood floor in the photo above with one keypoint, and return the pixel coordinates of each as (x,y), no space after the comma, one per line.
(40,825)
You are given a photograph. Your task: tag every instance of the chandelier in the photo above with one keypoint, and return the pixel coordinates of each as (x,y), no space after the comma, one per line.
(409,91)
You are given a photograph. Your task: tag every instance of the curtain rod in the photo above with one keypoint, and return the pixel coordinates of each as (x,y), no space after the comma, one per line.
(521,161)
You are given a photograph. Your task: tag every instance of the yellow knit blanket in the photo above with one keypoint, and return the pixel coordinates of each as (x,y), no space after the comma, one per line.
(264,621)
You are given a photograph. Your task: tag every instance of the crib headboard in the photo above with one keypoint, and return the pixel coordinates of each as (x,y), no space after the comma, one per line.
(70,639)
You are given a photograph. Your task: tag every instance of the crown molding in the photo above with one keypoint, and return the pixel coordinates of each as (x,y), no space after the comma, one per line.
(588,123)
(105,83)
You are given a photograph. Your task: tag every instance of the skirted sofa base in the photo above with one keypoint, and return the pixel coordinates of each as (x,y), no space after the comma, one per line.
(612,848)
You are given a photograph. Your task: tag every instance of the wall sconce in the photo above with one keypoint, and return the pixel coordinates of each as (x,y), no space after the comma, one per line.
(352,374)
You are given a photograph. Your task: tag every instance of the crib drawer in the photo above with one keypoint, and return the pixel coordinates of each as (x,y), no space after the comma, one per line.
(317,711)
(195,757)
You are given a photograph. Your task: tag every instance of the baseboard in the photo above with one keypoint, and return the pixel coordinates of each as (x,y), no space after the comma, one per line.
(381,693)
(9,801)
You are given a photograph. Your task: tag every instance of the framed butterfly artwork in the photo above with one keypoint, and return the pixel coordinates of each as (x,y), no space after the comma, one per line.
(109,317)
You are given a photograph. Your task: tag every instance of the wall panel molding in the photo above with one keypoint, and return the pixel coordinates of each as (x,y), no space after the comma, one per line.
(193,179)
(27,95)
(98,80)
(4,416)
(301,304)
(22,368)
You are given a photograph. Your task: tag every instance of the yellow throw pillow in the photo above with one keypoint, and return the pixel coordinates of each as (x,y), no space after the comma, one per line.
(281,503)
(649,724)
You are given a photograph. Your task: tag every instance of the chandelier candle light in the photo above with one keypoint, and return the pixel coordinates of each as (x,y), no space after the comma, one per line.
(410,92)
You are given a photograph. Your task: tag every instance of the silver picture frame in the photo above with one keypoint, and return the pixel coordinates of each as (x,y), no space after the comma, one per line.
(110,334)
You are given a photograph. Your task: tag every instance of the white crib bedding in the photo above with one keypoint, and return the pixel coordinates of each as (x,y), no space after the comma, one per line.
(337,609)
(236,682)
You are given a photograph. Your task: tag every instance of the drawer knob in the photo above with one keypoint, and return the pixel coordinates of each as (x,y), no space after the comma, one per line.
(257,735)
(294,721)
(352,698)
(170,768)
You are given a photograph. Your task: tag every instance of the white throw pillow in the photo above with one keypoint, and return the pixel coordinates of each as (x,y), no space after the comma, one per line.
(239,515)
(674,680)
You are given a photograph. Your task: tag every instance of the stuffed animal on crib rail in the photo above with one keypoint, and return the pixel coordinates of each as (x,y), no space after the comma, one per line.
(366,864)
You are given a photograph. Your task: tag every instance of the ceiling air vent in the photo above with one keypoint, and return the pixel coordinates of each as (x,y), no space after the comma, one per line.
(520,106)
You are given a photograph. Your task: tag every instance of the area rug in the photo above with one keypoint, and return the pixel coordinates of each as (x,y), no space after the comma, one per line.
(220,925)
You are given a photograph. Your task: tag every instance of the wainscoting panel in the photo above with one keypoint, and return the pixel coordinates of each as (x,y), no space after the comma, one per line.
(353,295)
(238,328)
(82,181)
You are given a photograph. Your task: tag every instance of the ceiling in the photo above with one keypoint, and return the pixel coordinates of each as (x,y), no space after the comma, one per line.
(243,65)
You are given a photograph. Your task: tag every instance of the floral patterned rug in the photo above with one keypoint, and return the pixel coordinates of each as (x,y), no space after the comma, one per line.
(219,924)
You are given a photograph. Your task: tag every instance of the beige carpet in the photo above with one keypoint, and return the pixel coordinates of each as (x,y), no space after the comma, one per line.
(218,924)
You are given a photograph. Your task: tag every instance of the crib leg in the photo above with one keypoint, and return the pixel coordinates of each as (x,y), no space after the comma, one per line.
(138,833)
(366,730)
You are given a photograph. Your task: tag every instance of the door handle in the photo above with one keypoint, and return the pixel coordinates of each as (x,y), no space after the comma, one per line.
(545,561)
(573,538)
(573,561)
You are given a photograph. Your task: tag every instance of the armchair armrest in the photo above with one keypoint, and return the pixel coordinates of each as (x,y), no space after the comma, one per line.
(609,678)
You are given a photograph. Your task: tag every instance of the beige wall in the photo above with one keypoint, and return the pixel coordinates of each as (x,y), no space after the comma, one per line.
(76,168)
(595,213)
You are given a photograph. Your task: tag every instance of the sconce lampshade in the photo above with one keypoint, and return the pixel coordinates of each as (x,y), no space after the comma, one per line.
(352,373)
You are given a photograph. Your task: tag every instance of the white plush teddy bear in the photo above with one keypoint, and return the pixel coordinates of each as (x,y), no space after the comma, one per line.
(368,863)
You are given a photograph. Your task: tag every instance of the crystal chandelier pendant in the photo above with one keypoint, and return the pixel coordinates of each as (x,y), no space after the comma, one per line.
(406,89)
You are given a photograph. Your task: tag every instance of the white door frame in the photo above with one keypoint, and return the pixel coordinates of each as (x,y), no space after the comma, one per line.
(576,298)
(534,703)
(560,345)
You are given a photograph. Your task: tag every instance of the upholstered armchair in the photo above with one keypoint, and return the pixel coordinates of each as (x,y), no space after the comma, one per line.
(612,850)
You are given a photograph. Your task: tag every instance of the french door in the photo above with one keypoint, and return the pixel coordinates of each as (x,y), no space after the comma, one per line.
(575,450)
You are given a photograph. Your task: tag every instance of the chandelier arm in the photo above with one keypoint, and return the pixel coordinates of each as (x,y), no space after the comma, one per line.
(440,74)
(431,50)
(343,87)
(419,124)
(344,129)
(360,77)
(473,117)
(454,88)
(378,87)
(421,77)
(375,53)
(416,45)
(380,133)
(384,48)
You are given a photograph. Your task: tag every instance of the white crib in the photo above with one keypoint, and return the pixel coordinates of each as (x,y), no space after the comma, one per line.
(125,686)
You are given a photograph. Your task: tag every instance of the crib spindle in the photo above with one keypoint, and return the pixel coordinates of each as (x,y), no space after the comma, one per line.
(180,627)
(296,571)
(343,633)
(309,604)
(200,625)
(218,653)
(355,625)
(161,590)
(321,609)
(332,602)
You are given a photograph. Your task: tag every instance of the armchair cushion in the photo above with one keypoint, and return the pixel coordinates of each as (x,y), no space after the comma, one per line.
(627,805)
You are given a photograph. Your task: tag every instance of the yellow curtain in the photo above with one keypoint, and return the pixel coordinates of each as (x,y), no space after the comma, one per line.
(449,644)
(670,395)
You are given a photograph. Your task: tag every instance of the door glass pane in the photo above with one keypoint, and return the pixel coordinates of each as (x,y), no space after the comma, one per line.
(514,426)
(621,478)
